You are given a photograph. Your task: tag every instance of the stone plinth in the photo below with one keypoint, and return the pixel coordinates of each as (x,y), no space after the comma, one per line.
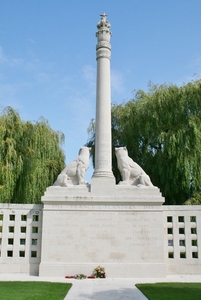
(121,231)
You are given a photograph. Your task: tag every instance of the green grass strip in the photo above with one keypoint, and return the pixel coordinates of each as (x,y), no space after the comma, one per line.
(171,291)
(19,290)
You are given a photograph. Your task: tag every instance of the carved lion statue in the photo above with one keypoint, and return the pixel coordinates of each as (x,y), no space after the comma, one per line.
(131,172)
(73,173)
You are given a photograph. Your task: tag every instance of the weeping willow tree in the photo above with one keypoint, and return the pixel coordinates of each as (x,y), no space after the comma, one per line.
(30,158)
(162,131)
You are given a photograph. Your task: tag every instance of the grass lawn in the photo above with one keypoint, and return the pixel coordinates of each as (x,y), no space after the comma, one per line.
(171,291)
(19,290)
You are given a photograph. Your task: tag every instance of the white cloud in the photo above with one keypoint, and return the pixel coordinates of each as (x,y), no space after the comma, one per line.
(89,74)
(16,61)
(3,59)
(32,65)
(11,62)
(31,41)
(43,77)
(196,66)
(193,74)
(117,81)
(7,91)
(66,82)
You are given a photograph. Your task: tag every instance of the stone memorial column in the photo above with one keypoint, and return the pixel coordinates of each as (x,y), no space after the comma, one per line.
(103,153)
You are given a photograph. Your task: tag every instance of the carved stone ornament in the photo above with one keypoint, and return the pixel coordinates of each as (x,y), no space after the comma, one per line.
(131,172)
(103,23)
(101,55)
(73,173)
(103,44)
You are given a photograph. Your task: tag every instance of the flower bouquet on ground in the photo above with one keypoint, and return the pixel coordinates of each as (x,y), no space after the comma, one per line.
(80,276)
(99,272)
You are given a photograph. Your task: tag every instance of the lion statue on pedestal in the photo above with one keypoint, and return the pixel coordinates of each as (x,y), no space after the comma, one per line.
(131,172)
(73,173)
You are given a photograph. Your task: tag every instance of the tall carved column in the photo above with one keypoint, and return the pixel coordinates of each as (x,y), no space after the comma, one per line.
(103,155)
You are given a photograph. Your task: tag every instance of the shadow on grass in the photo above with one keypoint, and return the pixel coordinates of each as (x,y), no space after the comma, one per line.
(171,291)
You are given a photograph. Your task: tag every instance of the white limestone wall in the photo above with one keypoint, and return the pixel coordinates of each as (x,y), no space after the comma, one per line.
(120,231)
(122,241)
(20,238)
(21,228)
(182,239)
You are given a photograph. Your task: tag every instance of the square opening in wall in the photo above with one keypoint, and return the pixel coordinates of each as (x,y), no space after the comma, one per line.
(33,253)
(10,241)
(170,230)
(23,229)
(181,231)
(21,253)
(181,219)
(0,241)
(11,229)
(9,253)
(35,218)
(34,229)
(182,254)
(181,242)
(193,219)
(169,219)
(1,228)
(170,242)
(194,254)
(22,241)
(194,243)
(193,230)
(23,218)
(171,255)
(34,242)
(12,217)
(1,217)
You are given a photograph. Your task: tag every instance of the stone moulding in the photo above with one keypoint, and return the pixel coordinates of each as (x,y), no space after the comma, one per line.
(103,44)
(135,197)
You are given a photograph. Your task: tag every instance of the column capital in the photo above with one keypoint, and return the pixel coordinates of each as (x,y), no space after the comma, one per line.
(103,33)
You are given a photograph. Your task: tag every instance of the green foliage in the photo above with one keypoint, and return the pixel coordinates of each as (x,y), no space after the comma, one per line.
(194,200)
(162,132)
(30,158)
(19,290)
(171,291)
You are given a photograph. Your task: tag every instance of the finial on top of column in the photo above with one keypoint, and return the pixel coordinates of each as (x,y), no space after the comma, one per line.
(103,23)
(103,33)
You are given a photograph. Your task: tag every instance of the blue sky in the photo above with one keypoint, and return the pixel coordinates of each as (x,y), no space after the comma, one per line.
(48,58)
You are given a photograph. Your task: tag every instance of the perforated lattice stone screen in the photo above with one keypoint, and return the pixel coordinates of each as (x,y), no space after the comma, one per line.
(182,238)
(20,238)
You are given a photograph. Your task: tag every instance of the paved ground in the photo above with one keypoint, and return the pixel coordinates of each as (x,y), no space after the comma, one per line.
(117,289)
(103,289)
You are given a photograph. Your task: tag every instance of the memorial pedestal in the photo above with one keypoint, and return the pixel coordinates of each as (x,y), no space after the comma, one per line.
(121,231)
(119,227)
